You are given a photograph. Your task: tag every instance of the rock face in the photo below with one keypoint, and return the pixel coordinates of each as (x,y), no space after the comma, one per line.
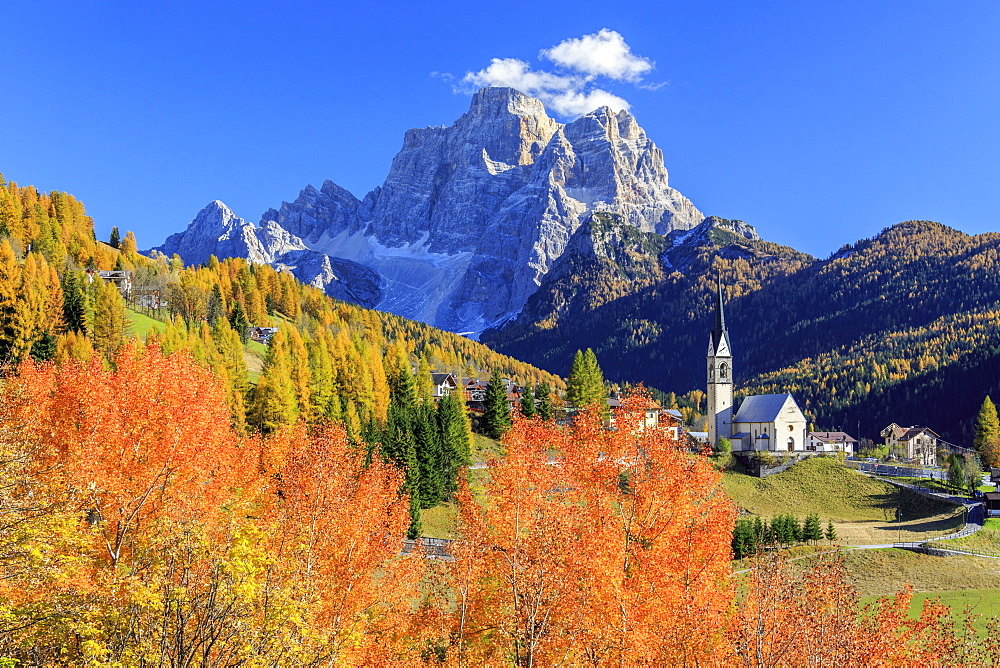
(470,218)
(216,230)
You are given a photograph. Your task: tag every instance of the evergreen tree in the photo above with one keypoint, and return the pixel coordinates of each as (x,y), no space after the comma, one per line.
(453,424)
(831,533)
(430,455)
(745,538)
(399,444)
(215,308)
(987,438)
(811,529)
(544,402)
(956,475)
(528,402)
(115,240)
(238,321)
(43,348)
(496,410)
(585,386)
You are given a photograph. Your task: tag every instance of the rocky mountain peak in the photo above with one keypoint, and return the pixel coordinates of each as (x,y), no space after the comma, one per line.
(216,230)
(472,216)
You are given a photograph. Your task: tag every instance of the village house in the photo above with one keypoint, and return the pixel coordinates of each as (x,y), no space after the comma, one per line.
(262,334)
(992,501)
(474,391)
(655,416)
(121,279)
(912,443)
(831,441)
(444,384)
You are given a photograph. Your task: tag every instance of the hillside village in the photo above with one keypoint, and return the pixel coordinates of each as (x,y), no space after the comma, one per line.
(285,364)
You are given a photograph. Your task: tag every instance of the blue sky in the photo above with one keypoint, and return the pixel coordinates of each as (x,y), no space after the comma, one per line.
(819,123)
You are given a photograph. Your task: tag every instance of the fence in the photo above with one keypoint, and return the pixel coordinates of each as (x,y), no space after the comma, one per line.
(433,548)
(898,471)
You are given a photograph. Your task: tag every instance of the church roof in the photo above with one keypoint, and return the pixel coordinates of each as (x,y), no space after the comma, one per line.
(762,407)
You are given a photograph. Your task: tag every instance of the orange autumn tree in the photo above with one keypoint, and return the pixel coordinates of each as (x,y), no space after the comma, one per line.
(144,440)
(337,528)
(594,545)
(814,617)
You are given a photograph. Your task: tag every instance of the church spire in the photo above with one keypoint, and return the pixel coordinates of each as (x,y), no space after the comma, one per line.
(719,344)
(720,315)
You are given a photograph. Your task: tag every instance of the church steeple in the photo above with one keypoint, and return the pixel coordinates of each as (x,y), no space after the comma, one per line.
(718,343)
(720,375)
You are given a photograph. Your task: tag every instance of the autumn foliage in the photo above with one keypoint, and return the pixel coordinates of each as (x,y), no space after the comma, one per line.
(596,546)
(140,529)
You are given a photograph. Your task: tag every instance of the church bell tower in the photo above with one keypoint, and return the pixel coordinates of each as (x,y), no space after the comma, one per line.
(720,377)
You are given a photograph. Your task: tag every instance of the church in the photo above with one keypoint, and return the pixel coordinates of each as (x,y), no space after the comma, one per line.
(764,421)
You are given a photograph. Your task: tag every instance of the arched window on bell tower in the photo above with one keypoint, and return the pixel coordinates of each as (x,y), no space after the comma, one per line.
(723,371)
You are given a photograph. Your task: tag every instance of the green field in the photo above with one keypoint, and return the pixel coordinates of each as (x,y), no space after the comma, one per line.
(983,603)
(823,485)
(140,325)
(935,485)
(862,508)
(484,449)
(439,521)
(986,539)
(254,354)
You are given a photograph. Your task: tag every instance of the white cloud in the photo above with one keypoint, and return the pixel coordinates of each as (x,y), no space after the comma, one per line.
(518,74)
(570,90)
(575,103)
(604,53)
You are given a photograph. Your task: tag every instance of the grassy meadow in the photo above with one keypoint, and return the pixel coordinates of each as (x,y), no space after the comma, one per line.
(862,508)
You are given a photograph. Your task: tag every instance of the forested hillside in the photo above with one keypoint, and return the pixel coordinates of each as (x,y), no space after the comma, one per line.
(328,361)
(902,327)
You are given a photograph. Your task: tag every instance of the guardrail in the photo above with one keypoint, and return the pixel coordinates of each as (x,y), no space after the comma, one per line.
(897,471)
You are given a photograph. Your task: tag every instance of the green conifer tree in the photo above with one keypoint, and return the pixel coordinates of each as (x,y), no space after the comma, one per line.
(544,402)
(453,423)
(215,308)
(831,533)
(956,474)
(115,240)
(585,386)
(399,444)
(430,455)
(812,531)
(238,321)
(528,409)
(496,410)
(74,301)
(43,348)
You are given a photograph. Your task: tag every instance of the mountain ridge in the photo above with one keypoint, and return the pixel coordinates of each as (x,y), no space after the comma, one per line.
(881,317)
(470,217)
